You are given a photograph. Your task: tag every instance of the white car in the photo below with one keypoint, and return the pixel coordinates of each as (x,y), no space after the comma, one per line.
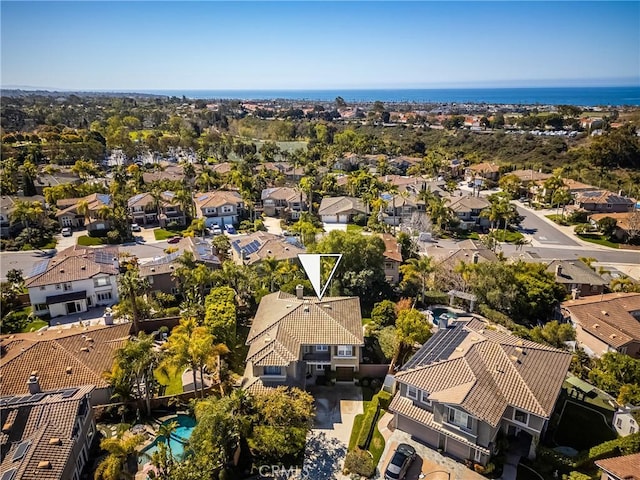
(135,227)
(215,230)
(66,232)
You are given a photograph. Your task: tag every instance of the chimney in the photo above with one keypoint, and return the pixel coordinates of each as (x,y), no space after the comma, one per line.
(476,257)
(33,383)
(443,321)
(558,270)
(299,292)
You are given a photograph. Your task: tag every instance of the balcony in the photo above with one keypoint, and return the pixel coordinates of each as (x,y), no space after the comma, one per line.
(317,357)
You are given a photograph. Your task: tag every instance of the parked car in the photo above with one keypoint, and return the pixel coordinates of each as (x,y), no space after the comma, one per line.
(66,232)
(230,230)
(400,462)
(215,230)
(175,239)
(135,227)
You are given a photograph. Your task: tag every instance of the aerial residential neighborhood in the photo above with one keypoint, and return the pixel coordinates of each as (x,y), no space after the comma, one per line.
(320,240)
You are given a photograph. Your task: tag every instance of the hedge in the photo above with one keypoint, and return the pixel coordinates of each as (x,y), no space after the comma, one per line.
(360,462)
(611,448)
(379,401)
(432,297)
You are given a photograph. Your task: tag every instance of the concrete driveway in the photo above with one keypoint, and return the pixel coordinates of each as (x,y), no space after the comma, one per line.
(429,463)
(336,409)
(272,225)
(328,227)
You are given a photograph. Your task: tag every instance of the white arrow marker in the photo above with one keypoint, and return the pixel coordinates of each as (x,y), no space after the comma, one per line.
(311,262)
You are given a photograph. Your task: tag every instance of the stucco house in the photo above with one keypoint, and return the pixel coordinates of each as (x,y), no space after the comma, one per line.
(73,281)
(392,258)
(144,210)
(283,201)
(255,247)
(620,468)
(599,201)
(294,339)
(467,383)
(577,278)
(97,207)
(222,207)
(341,209)
(626,420)
(468,209)
(605,323)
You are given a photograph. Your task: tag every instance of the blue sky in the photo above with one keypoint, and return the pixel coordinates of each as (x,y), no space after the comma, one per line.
(314,45)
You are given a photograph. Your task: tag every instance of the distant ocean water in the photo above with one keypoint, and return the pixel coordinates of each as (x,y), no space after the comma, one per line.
(582,96)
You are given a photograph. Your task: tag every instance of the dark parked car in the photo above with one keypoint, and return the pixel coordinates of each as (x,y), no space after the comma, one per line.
(400,462)
(174,239)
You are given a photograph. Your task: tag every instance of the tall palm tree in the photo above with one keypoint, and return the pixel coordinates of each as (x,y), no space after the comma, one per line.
(114,466)
(82,207)
(131,286)
(441,214)
(268,268)
(418,270)
(166,430)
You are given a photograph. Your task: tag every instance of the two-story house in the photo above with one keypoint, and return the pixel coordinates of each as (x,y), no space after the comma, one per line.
(222,207)
(577,278)
(47,435)
(341,209)
(392,258)
(283,202)
(400,208)
(602,201)
(91,212)
(467,383)
(144,209)
(295,338)
(468,210)
(73,281)
(7,206)
(486,170)
(256,247)
(605,323)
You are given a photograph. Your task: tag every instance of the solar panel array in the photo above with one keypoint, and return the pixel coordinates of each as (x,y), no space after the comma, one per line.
(9,474)
(69,392)
(21,450)
(236,246)
(294,241)
(439,347)
(202,198)
(252,247)
(103,257)
(39,268)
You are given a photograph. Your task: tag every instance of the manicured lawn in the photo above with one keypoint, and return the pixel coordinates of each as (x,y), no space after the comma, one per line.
(162,234)
(507,236)
(582,428)
(377,441)
(599,240)
(353,228)
(466,234)
(87,241)
(173,380)
(35,325)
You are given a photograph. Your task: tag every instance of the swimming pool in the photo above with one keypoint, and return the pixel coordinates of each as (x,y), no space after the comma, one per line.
(179,437)
(437,311)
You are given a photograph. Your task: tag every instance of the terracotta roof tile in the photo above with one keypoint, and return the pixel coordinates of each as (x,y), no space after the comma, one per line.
(625,467)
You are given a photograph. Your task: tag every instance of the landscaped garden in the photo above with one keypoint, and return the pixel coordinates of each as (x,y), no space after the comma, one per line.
(163,234)
(87,241)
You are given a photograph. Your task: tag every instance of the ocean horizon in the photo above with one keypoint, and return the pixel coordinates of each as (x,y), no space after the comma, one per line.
(580,96)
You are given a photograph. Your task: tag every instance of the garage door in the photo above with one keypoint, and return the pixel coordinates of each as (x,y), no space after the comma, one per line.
(344,374)
(457,449)
(425,434)
(209,222)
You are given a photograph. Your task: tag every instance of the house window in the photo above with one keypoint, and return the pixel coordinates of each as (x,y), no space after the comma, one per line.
(227,209)
(322,348)
(41,306)
(43,287)
(101,281)
(150,280)
(619,423)
(58,286)
(412,392)
(520,416)
(388,265)
(104,296)
(424,398)
(632,430)
(478,456)
(320,368)
(461,419)
(345,350)
(67,287)
(271,370)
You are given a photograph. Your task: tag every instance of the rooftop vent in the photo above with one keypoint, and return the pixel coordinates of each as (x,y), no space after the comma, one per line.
(153,269)
(6,428)
(306,309)
(55,441)
(613,335)
(604,312)
(89,339)
(459,349)
(83,267)
(519,350)
(327,305)
(45,464)
(62,270)
(513,358)
(84,349)
(595,325)
(69,370)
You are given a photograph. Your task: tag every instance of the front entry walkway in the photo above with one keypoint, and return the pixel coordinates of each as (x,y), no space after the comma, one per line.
(336,409)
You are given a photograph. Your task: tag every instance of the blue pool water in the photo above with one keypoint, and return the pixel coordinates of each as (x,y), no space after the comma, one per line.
(179,437)
(437,311)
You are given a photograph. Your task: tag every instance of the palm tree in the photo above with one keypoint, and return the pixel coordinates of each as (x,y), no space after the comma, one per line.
(418,270)
(166,430)
(268,268)
(561,196)
(82,207)
(441,214)
(130,286)
(114,466)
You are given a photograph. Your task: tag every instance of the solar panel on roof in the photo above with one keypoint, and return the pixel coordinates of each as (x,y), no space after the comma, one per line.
(236,246)
(14,400)
(69,392)
(202,198)
(9,474)
(38,397)
(439,347)
(5,400)
(39,268)
(21,450)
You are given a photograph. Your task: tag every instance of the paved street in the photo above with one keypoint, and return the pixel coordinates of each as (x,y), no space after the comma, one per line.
(541,231)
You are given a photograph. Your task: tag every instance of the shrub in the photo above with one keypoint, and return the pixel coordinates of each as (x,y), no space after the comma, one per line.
(496,317)
(360,462)
(368,424)
(578,217)
(384,398)
(434,297)
(360,219)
